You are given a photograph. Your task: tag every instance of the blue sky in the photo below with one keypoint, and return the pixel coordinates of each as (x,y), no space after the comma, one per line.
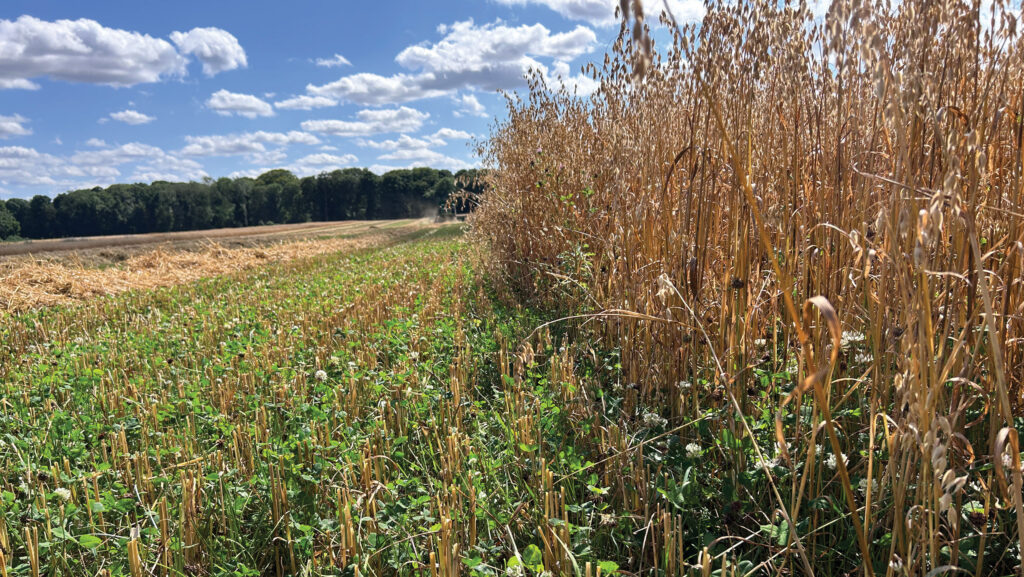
(93,93)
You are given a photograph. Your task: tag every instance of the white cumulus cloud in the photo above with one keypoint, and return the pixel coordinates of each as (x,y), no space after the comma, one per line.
(25,168)
(217,49)
(602,12)
(369,122)
(284,138)
(487,57)
(269,157)
(245,143)
(306,166)
(13,126)
(17,84)
(413,151)
(451,134)
(404,141)
(336,61)
(467,46)
(85,51)
(306,102)
(323,161)
(374,89)
(425,157)
(232,103)
(469,106)
(132,117)
(82,51)
(148,162)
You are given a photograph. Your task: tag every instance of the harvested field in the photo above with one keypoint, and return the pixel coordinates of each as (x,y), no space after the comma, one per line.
(116,247)
(754,307)
(130,263)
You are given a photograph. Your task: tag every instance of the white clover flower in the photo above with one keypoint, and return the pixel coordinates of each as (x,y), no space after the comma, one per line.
(62,493)
(850,337)
(831,461)
(863,485)
(654,420)
(792,366)
(414,355)
(320,375)
(863,358)
(693,450)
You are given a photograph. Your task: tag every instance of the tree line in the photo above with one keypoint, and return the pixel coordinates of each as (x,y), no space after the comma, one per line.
(274,197)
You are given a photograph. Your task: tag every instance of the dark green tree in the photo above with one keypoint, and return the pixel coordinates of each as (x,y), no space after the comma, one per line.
(276,196)
(42,219)
(9,226)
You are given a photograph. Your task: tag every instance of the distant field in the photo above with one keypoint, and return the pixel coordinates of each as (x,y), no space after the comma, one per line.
(247,234)
(53,272)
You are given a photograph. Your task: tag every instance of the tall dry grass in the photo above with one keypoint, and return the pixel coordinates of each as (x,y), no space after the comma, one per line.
(842,197)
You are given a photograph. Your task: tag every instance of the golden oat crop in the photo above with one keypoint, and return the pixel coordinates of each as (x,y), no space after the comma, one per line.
(812,230)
